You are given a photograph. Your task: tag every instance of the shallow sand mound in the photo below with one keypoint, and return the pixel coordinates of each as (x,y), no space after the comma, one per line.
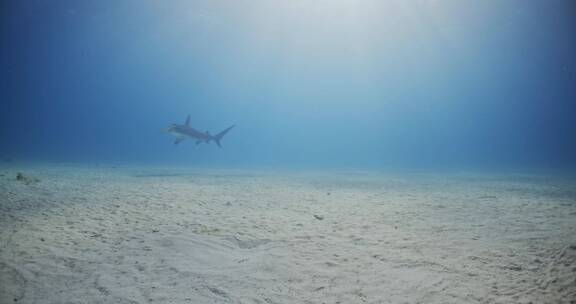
(557,279)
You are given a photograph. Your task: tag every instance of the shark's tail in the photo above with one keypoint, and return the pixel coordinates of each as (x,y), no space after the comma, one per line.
(219,136)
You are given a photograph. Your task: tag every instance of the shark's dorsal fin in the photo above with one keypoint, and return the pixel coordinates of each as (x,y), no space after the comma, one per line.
(188,120)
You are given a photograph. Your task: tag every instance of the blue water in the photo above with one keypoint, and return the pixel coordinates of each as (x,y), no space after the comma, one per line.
(328,83)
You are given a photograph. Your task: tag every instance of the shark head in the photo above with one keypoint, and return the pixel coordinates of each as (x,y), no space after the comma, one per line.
(171,129)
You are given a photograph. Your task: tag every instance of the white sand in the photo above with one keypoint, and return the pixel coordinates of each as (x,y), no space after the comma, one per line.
(161,235)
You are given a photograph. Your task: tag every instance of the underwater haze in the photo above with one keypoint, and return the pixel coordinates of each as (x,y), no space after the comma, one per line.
(288,151)
(326,83)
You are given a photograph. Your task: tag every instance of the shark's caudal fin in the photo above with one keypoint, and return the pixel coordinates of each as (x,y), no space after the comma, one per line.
(219,136)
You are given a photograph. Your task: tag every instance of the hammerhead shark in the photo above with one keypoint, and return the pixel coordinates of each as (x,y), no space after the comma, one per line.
(185,131)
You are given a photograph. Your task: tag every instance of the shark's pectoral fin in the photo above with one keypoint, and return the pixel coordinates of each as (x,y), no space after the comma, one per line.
(198,142)
(178,140)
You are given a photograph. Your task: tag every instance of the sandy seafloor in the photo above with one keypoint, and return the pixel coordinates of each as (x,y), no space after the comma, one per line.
(185,235)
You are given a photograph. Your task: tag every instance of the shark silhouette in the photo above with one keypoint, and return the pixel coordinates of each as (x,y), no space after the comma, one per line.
(185,131)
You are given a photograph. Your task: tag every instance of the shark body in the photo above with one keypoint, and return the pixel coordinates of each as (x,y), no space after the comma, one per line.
(185,131)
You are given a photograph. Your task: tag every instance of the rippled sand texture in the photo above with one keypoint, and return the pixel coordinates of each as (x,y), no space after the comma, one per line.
(166,235)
